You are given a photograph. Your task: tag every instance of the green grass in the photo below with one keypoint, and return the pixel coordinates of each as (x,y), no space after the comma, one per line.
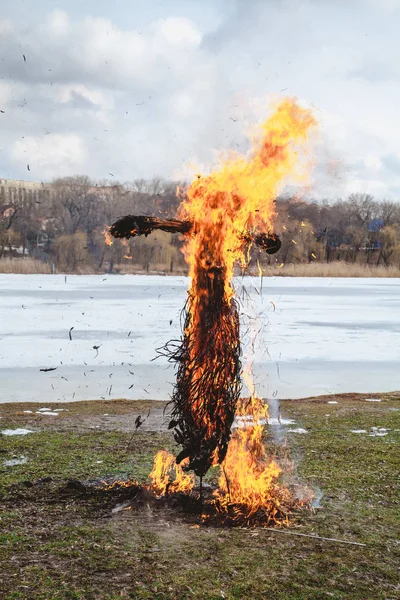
(58,546)
(75,456)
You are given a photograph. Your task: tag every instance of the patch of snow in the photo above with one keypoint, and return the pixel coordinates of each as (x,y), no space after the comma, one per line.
(332,402)
(43,409)
(48,413)
(28,411)
(15,461)
(375,431)
(247,421)
(98,462)
(373,400)
(19,431)
(358,431)
(274,421)
(297,430)
(378,431)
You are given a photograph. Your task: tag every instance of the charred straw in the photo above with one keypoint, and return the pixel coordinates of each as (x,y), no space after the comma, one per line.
(208,382)
(132,226)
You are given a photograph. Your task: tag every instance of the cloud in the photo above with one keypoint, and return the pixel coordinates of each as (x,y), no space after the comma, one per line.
(94,97)
(96,52)
(46,153)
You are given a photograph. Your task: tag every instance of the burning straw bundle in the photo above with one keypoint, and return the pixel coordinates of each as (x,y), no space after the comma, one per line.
(208,381)
(220,217)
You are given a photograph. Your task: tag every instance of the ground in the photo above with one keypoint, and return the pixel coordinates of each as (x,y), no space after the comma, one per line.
(60,541)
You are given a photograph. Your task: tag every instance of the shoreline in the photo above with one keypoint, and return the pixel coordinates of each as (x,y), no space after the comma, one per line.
(335,269)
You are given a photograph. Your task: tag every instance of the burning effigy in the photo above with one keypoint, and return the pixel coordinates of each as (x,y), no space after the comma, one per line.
(221,217)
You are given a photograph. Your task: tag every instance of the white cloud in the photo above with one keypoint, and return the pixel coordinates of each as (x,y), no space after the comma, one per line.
(5,94)
(373,162)
(102,98)
(44,155)
(178,32)
(58,24)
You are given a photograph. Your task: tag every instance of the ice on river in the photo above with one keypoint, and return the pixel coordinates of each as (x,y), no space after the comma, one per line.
(315,336)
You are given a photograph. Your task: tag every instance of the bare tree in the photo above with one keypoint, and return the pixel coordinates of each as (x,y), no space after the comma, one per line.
(76,200)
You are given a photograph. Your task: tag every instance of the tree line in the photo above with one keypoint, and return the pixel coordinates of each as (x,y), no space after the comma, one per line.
(64,224)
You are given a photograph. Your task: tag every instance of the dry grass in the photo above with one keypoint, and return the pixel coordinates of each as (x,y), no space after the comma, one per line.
(32,266)
(155,269)
(24,266)
(27,266)
(333,269)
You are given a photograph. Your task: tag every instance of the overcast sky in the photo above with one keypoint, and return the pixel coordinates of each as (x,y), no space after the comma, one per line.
(146,88)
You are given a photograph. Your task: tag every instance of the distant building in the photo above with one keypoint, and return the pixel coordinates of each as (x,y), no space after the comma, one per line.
(15,191)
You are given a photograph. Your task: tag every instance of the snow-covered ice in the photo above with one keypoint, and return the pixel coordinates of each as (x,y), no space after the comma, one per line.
(318,336)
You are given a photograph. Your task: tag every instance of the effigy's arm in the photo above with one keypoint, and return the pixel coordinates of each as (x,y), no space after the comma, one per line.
(132,226)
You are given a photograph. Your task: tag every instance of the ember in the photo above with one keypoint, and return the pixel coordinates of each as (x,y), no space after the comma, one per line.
(223,215)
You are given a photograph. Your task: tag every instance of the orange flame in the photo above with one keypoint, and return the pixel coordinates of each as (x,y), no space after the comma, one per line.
(240,195)
(223,207)
(234,200)
(164,480)
(108,237)
(248,481)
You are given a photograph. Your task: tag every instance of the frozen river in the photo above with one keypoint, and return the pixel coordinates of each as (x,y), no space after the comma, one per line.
(314,336)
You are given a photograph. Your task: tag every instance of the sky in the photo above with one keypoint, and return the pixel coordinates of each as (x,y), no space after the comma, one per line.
(128,89)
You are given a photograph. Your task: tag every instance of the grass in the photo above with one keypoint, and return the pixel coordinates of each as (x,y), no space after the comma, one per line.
(58,545)
(331,269)
(317,269)
(32,266)
(24,266)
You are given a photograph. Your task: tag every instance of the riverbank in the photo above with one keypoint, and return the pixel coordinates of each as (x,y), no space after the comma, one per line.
(28,266)
(61,541)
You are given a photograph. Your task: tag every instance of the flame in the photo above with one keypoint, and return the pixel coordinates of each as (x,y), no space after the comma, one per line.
(240,195)
(224,208)
(164,480)
(248,482)
(107,236)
